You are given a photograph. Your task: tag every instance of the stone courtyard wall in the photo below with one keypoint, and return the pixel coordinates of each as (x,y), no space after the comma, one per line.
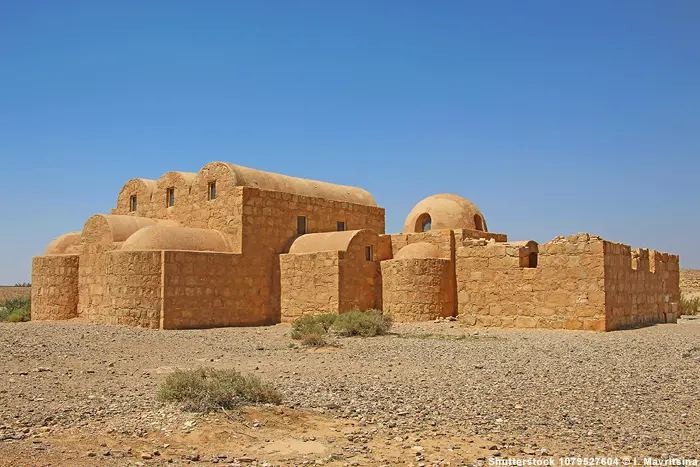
(641,286)
(418,289)
(564,291)
(54,288)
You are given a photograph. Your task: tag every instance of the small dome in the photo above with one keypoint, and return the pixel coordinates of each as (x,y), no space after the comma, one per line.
(444,211)
(418,250)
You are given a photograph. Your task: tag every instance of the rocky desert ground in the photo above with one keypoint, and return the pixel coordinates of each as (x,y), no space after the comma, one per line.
(80,394)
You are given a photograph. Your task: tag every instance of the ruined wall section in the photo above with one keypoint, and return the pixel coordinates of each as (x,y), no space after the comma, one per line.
(641,286)
(310,284)
(203,289)
(418,289)
(54,287)
(564,291)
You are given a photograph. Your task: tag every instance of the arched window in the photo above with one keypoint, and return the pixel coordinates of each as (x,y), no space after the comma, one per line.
(532,260)
(423,223)
(478,223)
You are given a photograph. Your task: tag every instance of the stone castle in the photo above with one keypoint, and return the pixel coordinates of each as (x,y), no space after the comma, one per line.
(234,246)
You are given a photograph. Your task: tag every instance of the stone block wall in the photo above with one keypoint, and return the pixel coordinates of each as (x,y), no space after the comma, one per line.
(128,290)
(203,289)
(360,279)
(564,291)
(418,289)
(443,239)
(54,287)
(641,286)
(310,284)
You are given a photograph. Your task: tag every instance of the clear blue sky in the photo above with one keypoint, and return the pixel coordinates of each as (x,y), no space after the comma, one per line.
(554,117)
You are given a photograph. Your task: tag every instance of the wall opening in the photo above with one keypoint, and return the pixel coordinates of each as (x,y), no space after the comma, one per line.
(170,197)
(369,253)
(132,203)
(532,260)
(478,223)
(301,225)
(340,226)
(211,192)
(424,223)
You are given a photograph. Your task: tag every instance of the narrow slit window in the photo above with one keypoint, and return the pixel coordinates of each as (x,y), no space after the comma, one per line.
(341,226)
(212,191)
(132,203)
(369,253)
(478,224)
(301,225)
(171,197)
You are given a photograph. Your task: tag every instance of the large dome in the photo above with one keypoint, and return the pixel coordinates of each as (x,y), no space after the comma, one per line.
(444,211)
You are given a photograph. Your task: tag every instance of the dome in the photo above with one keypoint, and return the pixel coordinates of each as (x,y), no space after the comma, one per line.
(444,211)
(418,250)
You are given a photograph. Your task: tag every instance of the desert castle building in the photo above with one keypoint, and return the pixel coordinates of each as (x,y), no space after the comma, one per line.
(234,246)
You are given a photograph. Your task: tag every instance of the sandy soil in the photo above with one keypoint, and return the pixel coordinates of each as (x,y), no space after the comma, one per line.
(79,394)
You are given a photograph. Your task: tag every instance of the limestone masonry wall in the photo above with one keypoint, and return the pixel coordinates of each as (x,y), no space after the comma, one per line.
(565,290)
(54,287)
(310,284)
(641,286)
(360,279)
(231,246)
(418,289)
(203,289)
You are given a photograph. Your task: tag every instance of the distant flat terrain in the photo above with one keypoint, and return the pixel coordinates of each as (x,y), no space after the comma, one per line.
(7,292)
(690,281)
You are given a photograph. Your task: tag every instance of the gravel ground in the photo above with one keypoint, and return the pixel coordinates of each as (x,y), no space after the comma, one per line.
(632,392)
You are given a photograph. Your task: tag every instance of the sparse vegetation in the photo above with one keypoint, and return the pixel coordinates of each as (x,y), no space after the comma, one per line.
(205,389)
(313,330)
(690,352)
(23,284)
(690,305)
(365,324)
(16,309)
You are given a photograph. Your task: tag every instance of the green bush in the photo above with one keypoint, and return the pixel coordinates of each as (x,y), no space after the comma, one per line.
(311,330)
(205,389)
(365,324)
(690,306)
(16,309)
(23,284)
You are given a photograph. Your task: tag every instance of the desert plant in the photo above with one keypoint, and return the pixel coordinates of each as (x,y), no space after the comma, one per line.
(311,330)
(23,284)
(19,308)
(204,389)
(362,323)
(690,305)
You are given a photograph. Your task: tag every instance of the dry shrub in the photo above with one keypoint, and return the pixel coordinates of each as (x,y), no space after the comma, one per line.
(365,324)
(690,305)
(205,389)
(16,310)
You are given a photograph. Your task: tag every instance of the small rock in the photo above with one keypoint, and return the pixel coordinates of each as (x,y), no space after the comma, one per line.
(146,455)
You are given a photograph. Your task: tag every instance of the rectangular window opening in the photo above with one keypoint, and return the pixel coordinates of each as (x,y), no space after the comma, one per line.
(369,253)
(341,226)
(171,197)
(301,225)
(212,191)
(132,203)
